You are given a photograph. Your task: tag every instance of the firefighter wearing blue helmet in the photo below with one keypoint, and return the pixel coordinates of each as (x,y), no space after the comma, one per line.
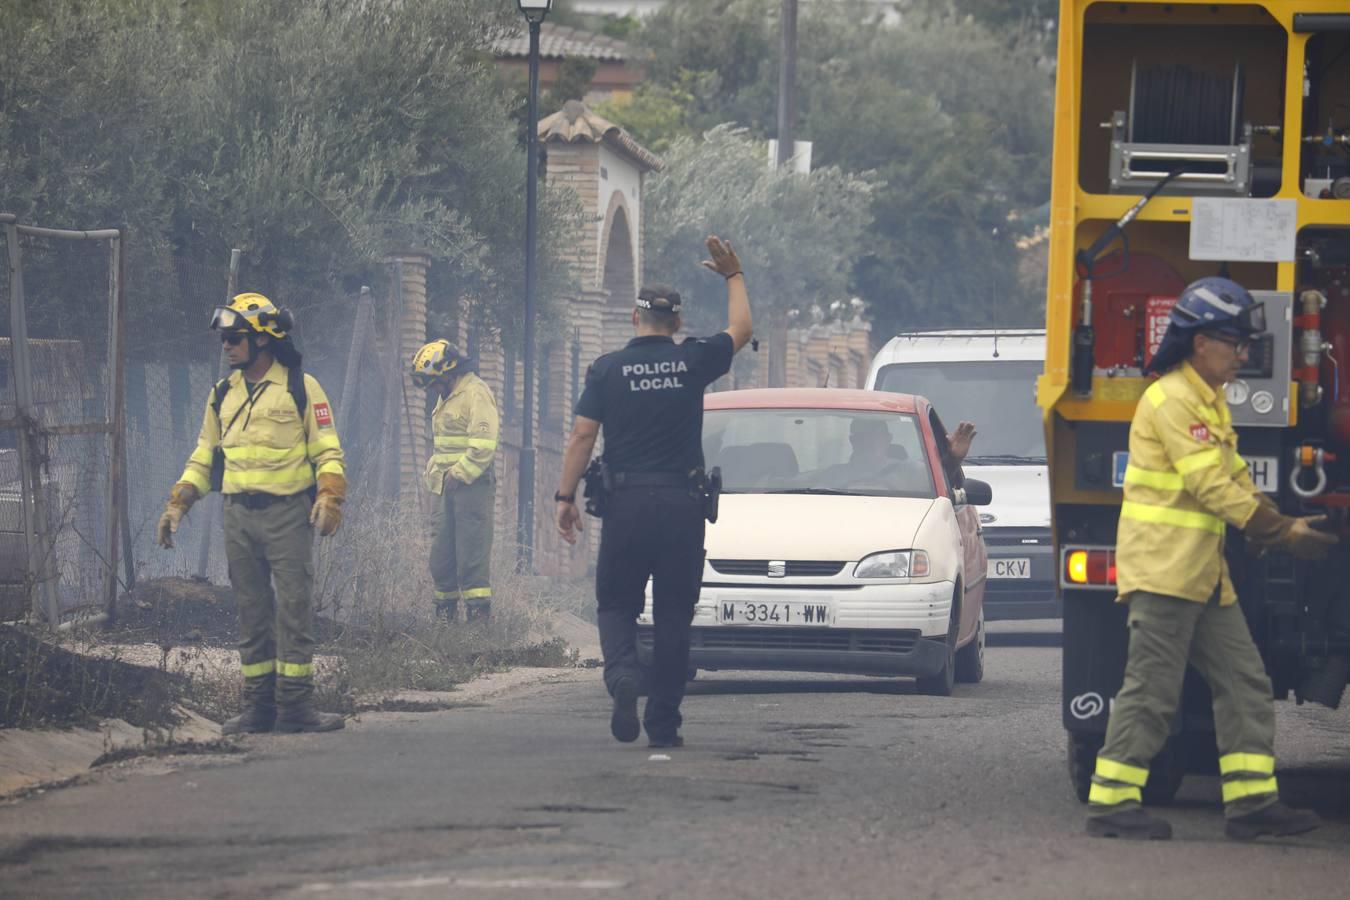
(1184,487)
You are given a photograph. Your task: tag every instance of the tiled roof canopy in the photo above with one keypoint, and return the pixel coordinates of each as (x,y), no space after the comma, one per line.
(575,123)
(559,41)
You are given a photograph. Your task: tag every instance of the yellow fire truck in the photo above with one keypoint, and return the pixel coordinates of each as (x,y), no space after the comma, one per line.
(1192,139)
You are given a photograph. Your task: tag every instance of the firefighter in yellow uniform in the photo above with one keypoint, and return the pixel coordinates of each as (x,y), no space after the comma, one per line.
(460,475)
(269,444)
(1185,484)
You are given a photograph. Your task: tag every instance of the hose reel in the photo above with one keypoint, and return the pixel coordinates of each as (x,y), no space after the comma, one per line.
(1182,118)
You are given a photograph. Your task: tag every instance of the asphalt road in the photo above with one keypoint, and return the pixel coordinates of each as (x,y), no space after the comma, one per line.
(789,787)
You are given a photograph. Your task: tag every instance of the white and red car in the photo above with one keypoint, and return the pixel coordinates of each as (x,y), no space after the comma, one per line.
(847,540)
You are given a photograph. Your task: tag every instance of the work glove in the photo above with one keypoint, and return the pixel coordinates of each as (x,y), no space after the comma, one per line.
(724,260)
(1305,541)
(181,498)
(1263,530)
(1268,527)
(326,514)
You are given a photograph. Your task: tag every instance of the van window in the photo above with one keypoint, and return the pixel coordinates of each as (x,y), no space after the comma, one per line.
(770,451)
(999,397)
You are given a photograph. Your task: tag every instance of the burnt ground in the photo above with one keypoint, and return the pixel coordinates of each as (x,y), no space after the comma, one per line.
(175,611)
(47,682)
(186,611)
(44,685)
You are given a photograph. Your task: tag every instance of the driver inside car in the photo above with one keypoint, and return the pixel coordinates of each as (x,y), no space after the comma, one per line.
(875,460)
(871,461)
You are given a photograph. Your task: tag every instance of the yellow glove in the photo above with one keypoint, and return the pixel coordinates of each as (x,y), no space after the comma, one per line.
(326,514)
(181,498)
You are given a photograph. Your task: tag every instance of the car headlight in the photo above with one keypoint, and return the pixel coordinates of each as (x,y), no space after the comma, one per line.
(893,564)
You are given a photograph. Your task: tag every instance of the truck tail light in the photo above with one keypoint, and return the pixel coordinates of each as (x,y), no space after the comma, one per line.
(1090,567)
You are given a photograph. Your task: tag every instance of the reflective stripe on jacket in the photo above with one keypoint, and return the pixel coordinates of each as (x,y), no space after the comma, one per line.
(268,449)
(1184,484)
(465,427)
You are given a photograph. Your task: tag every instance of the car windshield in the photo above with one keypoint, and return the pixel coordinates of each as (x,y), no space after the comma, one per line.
(817,451)
(999,397)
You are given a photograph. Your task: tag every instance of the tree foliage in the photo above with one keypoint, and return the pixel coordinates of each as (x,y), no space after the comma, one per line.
(796,235)
(316,136)
(949,113)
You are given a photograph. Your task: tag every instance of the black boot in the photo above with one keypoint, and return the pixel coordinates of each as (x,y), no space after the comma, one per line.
(1130,824)
(256,718)
(672,740)
(301,715)
(478,611)
(449,609)
(1277,819)
(623,719)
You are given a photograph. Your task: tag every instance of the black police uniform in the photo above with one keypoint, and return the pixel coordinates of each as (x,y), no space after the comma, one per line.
(648,398)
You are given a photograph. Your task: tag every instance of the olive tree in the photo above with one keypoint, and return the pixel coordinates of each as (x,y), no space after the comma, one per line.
(798,235)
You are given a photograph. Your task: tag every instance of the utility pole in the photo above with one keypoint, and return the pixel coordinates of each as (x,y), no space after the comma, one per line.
(787,121)
(787,82)
(534,11)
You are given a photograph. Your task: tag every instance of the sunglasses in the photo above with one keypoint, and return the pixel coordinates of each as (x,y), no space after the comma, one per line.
(232,339)
(1239,345)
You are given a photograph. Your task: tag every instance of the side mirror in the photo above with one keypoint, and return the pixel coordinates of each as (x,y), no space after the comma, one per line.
(978,493)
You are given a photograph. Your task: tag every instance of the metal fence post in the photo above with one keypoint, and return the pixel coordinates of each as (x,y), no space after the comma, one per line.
(116,411)
(37,535)
(360,333)
(393,380)
(204,547)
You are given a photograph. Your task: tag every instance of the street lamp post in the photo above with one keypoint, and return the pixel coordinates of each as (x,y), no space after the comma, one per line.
(534,11)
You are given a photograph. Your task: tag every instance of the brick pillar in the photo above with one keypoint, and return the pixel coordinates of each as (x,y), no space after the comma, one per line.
(412,334)
(793,359)
(778,342)
(860,342)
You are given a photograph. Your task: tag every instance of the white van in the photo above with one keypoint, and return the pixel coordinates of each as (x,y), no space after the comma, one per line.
(989,377)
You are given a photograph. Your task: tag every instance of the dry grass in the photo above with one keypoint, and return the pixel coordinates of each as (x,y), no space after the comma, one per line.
(376,625)
(372,580)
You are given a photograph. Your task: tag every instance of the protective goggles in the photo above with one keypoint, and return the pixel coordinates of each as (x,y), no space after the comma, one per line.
(1252,320)
(226,319)
(1248,321)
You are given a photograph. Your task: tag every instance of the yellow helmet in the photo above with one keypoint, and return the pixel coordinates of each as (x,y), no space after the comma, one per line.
(434,360)
(254,313)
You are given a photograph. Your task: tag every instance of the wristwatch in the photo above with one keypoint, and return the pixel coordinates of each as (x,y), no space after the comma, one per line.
(564,498)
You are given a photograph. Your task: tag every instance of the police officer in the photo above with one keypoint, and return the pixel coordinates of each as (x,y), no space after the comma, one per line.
(283,477)
(1184,485)
(648,397)
(459,474)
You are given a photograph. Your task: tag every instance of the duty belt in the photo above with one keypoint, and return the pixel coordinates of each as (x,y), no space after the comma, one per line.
(256,499)
(650,479)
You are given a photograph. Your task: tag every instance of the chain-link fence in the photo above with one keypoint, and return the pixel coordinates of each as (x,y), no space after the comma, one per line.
(60,494)
(172,369)
(63,510)
(355,343)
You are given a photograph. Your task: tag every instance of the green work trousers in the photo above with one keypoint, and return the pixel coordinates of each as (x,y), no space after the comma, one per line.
(461,543)
(1166,633)
(271,555)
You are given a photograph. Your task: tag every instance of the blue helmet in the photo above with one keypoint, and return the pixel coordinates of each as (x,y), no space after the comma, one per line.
(1211,304)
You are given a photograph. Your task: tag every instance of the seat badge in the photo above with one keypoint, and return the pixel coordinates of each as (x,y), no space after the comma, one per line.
(777,568)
